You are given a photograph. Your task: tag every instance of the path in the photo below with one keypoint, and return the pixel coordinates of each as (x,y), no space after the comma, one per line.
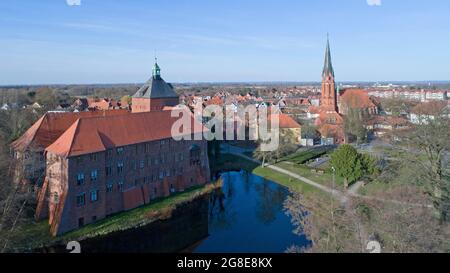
(342,196)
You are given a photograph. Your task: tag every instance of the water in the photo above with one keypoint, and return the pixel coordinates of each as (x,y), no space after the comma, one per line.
(248,217)
(245,216)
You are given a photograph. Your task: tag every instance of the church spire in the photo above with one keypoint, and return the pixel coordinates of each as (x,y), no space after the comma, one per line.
(328,66)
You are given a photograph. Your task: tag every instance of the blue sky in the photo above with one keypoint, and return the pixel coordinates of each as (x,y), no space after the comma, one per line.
(114,41)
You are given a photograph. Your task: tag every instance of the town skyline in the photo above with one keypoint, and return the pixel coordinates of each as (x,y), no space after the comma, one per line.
(54,43)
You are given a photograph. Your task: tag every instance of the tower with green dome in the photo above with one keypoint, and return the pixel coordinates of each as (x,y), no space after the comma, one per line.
(155,94)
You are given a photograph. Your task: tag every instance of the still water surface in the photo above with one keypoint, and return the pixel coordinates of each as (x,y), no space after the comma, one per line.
(248,216)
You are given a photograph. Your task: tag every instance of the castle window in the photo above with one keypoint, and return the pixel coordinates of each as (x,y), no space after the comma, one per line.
(109,187)
(195,155)
(120,167)
(79,160)
(120,186)
(120,150)
(94,196)
(108,171)
(55,197)
(81,200)
(93,157)
(80,179)
(94,175)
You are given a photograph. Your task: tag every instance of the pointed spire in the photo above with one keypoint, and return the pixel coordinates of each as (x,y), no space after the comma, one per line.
(328,66)
(156,72)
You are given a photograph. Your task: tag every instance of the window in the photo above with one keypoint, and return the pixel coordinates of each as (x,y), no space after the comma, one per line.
(120,150)
(109,153)
(109,188)
(120,186)
(79,160)
(94,196)
(195,152)
(141,164)
(108,170)
(80,222)
(81,200)
(147,147)
(120,167)
(161,175)
(93,157)
(80,179)
(56,197)
(94,175)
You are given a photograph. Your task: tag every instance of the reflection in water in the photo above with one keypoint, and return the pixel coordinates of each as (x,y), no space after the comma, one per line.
(271,201)
(246,215)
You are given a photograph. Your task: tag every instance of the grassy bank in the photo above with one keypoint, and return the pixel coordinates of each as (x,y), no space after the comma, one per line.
(35,235)
(234,162)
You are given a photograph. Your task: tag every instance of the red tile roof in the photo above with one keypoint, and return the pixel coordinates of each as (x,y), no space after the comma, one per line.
(357,99)
(286,122)
(52,125)
(96,134)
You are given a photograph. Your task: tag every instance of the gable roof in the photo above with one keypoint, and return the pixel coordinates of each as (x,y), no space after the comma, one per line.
(285,121)
(52,125)
(97,134)
(356,99)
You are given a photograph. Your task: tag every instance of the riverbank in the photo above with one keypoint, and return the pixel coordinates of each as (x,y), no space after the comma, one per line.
(36,235)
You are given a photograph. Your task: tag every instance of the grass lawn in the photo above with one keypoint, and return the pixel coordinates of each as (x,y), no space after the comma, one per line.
(325,179)
(284,180)
(305,156)
(35,235)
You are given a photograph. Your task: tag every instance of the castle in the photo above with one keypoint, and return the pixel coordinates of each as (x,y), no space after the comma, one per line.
(90,165)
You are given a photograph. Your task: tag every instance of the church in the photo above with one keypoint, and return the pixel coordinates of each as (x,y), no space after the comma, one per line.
(330,122)
(335,105)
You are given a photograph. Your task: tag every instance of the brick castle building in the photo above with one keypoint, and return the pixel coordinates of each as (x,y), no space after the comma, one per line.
(96,164)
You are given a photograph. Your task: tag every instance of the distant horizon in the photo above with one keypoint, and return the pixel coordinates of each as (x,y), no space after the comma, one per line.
(234,83)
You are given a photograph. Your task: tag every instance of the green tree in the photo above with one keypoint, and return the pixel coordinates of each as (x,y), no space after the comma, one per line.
(347,163)
(370,165)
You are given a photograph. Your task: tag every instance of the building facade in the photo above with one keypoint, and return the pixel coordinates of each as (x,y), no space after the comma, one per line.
(104,165)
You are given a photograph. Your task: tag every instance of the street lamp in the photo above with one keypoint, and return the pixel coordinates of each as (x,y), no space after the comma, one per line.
(334,172)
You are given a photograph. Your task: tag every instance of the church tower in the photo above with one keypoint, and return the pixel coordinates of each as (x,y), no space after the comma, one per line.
(328,101)
(155,94)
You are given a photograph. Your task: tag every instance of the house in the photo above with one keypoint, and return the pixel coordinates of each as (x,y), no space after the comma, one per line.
(288,127)
(426,111)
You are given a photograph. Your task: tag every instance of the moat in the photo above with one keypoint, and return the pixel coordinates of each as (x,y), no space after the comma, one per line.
(249,217)
(245,215)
